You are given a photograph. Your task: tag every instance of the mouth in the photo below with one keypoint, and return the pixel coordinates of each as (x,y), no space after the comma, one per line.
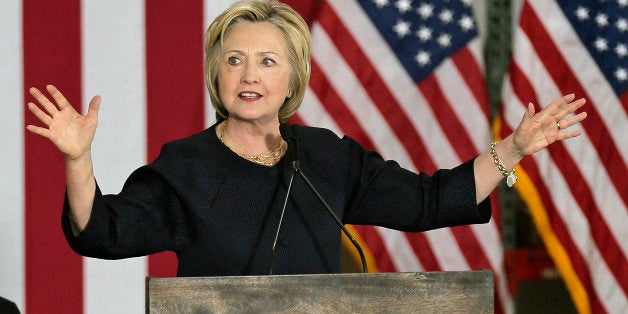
(249,95)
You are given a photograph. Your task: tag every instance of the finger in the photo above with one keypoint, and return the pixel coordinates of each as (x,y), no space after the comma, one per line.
(61,101)
(44,101)
(575,105)
(39,130)
(570,109)
(40,114)
(568,98)
(529,114)
(563,135)
(94,107)
(567,122)
(557,107)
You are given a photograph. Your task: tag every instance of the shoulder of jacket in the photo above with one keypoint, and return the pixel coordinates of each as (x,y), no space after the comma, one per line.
(315,132)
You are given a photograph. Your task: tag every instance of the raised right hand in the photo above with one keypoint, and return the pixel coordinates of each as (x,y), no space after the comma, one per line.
(71,132)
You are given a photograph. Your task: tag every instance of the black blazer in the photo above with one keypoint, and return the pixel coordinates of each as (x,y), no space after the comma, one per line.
(219,212)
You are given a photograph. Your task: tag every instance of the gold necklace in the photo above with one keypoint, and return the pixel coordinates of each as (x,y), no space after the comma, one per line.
(267,159)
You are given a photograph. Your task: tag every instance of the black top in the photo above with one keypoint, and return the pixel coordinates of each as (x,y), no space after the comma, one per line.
(219,212)
(8,307)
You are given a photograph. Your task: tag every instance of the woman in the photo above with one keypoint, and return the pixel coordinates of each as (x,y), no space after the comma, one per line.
(215,198)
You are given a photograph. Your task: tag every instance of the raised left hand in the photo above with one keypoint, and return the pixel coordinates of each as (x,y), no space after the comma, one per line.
(538,130)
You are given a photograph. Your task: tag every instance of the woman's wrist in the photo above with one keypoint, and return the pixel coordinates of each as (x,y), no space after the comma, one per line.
(508,152)
(510,175)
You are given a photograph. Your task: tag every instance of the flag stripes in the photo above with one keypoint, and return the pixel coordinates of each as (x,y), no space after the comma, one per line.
(460,141)
(552,58)
(333,104)
(427,258)
(399,101)
(354,93)
(147,64)
(119,146)
(405,93)
(175,85)
(12,270)
(611,157)
(379,96)
(576,192)
(399,250)
(52,53)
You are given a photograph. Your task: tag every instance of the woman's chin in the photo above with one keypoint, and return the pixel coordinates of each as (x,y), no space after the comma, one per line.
(253,116)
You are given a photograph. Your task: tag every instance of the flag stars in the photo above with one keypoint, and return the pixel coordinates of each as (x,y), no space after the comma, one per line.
(601,20)
(381,3)
(621,74)
(621,50)
(402,28)
(601,44)
(422,44)
(446,16)
(604,29)
(403,6)
(582,13)
(425,10)
(466,22)
(424,33)
(622,24)
(422,58)
(444,40)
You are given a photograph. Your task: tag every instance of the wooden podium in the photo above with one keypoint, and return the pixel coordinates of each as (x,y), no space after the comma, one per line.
(422,292)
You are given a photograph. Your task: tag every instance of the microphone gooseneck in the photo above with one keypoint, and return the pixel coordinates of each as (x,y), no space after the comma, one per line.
(286,133)
(283,211)
(291,135)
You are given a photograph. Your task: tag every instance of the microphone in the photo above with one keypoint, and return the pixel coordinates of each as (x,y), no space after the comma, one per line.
(291,134)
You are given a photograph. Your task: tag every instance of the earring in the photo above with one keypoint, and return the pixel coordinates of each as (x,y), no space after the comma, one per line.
(289,94)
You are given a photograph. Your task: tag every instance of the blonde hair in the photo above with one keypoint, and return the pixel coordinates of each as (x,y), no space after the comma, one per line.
(294,30)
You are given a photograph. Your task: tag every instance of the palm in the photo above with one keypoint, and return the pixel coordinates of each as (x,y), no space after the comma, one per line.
(71,132)
(538,130)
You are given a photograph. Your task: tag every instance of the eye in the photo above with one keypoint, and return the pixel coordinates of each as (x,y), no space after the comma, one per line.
(268,61)
(233,60)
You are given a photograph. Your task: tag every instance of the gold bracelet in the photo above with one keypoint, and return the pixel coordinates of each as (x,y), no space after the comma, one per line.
(511,177)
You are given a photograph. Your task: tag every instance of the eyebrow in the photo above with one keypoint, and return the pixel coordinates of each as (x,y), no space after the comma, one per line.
(262,53)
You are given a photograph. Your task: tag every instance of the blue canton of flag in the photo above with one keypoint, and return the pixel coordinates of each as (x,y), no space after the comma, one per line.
(603,27)
(422,33)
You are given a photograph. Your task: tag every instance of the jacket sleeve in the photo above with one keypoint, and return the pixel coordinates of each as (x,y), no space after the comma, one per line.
(144,218)
(383,193)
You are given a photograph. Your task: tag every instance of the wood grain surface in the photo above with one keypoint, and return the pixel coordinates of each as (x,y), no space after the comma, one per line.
(423,292)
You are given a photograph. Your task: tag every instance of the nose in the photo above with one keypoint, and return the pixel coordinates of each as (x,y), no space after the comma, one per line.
(250,73)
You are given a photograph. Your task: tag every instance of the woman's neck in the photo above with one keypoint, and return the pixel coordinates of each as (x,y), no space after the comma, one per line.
(260,144)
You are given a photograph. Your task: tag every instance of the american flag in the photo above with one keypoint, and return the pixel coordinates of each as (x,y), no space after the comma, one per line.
(577,190)
(405,78)
(402,77)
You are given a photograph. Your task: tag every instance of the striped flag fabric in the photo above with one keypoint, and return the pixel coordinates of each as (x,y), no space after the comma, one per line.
(577,190)
(405,79)
(401,77)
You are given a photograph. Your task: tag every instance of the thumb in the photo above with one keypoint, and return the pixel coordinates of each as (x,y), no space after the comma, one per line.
(529,113)
(94,107)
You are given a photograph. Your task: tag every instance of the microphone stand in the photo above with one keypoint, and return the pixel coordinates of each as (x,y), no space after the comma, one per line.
(293,139)
(296,168)
(283,211)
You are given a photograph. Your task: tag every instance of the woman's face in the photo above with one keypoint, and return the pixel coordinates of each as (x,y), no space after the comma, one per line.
(254,72)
